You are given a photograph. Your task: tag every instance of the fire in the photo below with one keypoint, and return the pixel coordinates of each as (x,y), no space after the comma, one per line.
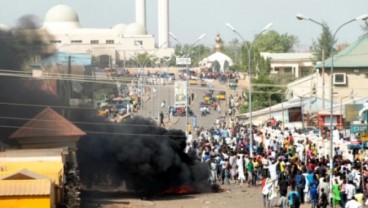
(180,190)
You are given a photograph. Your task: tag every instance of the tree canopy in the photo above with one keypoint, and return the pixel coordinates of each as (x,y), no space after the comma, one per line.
(323,43)
(196,52)
(263,91)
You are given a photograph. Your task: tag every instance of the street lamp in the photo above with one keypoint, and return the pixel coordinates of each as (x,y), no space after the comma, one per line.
(302,17)
(186,55)
(249,48)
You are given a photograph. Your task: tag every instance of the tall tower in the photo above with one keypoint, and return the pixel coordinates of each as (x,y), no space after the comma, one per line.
(163,23)
(140,12)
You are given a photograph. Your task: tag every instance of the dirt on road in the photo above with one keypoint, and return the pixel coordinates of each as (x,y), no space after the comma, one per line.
(230,196)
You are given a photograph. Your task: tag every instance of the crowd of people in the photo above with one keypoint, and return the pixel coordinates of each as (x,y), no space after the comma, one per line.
(292,167)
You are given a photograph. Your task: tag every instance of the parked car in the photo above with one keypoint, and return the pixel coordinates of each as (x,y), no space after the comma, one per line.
(180,111)
(103,111)
(203,83)
(207,97)
(221,95)
(233,84)
(119,108)
(193,81)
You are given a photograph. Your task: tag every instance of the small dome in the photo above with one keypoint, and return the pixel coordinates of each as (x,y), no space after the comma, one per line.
(119,28)
(135,29)
(61,13)
(61,17)
(3,27)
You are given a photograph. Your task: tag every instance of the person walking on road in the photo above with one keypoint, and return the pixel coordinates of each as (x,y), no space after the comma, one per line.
(162,119)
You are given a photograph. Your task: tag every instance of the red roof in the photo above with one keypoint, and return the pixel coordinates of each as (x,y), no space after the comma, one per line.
(48,123)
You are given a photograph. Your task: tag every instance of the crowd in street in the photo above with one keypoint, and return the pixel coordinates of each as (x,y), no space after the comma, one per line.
(291,166)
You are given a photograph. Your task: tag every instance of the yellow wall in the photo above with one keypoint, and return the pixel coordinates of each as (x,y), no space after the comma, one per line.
(25,202)
(53,170)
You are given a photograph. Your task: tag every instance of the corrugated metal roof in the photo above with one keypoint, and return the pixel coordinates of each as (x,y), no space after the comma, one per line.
(24,174)
(60,58)
(355,55)
(51,170)
(25,187)
(48,123)
(288,56)
(41,154)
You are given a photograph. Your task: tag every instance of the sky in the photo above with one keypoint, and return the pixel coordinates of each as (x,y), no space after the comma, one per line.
(189,19)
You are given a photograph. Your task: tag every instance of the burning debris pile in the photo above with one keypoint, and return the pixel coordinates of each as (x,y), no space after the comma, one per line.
(145,158)
(148,159)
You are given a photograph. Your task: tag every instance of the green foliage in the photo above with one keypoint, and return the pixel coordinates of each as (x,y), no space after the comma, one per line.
(143,60)
(196,53)
(323,43)
(263,97)
(233,49)
(274,42)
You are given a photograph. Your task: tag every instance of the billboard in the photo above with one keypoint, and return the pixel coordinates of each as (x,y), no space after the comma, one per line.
(295,114)
(352,111)
(180,93)
(183,61)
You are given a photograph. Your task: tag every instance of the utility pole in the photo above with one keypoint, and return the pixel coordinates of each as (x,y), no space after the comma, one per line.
(68,88)
(323,79)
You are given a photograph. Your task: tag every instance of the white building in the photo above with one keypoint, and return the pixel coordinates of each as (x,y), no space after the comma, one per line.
(296,64)
(119,43)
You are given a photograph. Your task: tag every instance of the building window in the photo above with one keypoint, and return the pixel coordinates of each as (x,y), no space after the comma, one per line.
(55,41)
(76,41)
(305,71)
(109,41)
(288,70)
(94,41)
(138,43)
(339,79)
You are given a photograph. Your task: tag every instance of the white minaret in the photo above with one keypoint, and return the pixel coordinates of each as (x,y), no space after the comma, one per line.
(140,12)
(163,23)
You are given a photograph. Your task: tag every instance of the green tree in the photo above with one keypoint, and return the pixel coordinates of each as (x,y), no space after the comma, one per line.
(263,84)
(323,43)
(196,52)
(233,50)
(143,60)
(274,42)
(268,42)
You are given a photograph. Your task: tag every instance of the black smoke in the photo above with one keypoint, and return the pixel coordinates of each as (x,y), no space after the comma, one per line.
(23,43)
(20,95)
(147,158)
(28,21)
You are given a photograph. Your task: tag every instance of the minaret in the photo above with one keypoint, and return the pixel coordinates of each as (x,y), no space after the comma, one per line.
(163,23)
(140,12)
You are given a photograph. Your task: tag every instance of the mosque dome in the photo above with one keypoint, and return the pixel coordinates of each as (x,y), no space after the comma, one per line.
(3,27)
(119,28)
(135,29)
(61,17)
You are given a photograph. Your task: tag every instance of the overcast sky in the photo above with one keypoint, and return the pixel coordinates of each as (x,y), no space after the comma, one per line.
(191,18)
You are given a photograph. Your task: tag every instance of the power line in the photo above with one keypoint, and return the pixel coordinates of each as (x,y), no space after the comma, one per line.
(98,132)
(74,122)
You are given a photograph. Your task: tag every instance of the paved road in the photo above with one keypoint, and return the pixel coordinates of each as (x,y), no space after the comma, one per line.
(152,106)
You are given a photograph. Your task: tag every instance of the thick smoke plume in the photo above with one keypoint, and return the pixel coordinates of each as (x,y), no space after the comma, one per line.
(147,158)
